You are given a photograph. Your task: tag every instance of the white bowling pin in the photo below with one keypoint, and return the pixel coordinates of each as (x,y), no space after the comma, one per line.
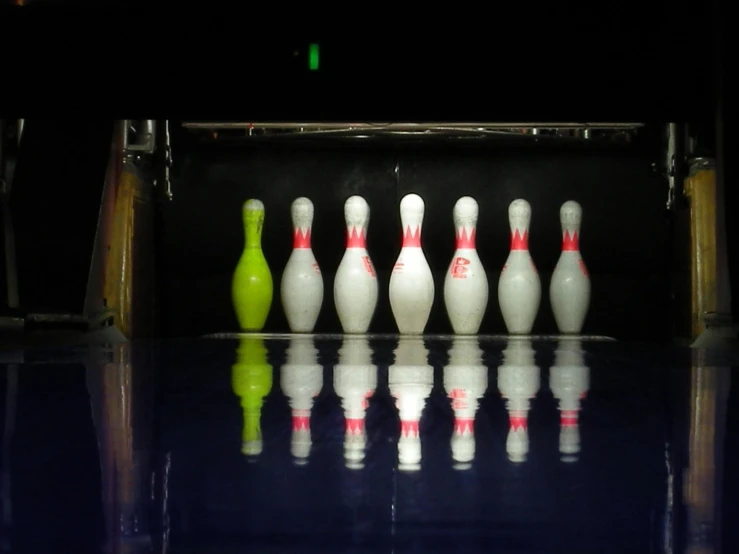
(355,380)
(569,381)
(355,285)
(301,380)
(466,284)
(411,283)
(410,379)
(519,379)
(302,283)
(569,289)
(519,287)
(465,381)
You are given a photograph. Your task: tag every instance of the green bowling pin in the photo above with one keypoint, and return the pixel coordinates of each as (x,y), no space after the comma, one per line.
(251,289)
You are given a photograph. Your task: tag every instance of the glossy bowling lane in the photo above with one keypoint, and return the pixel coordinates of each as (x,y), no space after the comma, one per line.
(301,443)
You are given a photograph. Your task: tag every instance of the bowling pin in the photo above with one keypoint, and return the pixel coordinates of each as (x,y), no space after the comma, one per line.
(519,287)
(466,284)
(519,379)
(411,283)
(301,380)
(302,282)
(569,289)
(251,287)
(355,285)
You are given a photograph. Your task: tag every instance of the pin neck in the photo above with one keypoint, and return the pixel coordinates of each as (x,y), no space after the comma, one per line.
(519,241)
(464,240)
(570,241)
(253,232)
(412,236)
(356,237)
(301,239)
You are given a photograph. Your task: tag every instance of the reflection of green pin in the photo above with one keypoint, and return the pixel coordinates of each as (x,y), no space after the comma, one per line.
(251,289)
(251,379)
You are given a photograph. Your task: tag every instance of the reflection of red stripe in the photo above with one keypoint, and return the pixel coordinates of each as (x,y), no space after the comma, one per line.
(570,242)
(412,239)
(568,418)
(354,426)
(518,422)
(519,241)
(409,428)
(464,425)
(464,241)
(301,240)
(356,238)
(301,423)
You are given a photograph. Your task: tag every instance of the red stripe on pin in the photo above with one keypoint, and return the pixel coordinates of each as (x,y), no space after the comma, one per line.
(356,238)
(412,239)
(519,241)
(464,241)
(300,239)
(570,242)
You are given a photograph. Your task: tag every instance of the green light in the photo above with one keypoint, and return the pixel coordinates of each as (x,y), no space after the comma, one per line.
(313,56)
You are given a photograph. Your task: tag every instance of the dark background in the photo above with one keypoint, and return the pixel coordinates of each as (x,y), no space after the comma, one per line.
(606,66)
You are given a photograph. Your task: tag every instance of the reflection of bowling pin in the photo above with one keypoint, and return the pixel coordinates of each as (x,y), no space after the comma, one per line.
(518,382)
(411,283)
(251,287)
(466,284)
(519,287)
(569,380)
(251,379)
(411,379)
(355,285)
(569,290)
(465,380)
(301,381)
(302,283)
(355,380)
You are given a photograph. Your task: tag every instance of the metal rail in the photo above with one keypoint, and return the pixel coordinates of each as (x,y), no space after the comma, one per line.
(311,126)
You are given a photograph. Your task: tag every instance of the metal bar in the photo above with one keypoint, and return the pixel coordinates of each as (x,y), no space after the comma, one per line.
(402,126)
(11,269)
(145,131)
(670,160)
